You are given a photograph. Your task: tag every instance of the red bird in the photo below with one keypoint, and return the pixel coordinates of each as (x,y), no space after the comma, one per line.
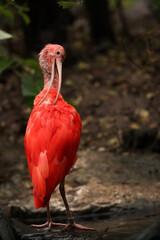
(52,136)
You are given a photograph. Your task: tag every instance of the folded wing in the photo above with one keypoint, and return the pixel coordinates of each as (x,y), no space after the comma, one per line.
(51,143)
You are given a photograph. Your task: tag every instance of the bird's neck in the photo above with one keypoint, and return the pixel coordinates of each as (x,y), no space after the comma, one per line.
(47,79)
(49,99)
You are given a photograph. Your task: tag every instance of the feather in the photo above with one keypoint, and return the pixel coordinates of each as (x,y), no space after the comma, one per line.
(51,142)
(43,164)
(38,183)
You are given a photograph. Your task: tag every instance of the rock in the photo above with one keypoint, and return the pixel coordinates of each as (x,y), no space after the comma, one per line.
(149,233)
(6,229)
(111,182)
(26,232)
(140,139)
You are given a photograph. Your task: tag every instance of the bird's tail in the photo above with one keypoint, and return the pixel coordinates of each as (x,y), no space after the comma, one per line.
(38,202)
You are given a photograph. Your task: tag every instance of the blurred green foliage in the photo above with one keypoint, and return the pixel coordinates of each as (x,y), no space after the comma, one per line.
(125,3)
(112,3)
(27,69)
(5,63)
(29,72)
(67,4)
(155,6)
(9,9)
(155,3)
(31,85)
(4,35)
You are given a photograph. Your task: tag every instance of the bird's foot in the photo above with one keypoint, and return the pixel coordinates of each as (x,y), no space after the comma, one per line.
(77,226)
(74,225)
(48,224)
(71,225)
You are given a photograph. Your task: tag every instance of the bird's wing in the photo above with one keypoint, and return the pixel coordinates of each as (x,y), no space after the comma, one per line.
(51,143)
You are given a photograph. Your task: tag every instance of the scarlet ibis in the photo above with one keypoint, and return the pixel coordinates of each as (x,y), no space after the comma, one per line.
(52,136)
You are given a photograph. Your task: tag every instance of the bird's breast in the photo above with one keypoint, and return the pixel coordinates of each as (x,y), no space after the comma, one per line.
(50,98)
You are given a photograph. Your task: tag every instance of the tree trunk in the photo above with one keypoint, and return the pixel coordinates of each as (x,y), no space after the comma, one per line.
(48,24)
(100,20)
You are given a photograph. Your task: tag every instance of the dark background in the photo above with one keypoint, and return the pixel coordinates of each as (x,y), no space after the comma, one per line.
(111,75)
(111,72)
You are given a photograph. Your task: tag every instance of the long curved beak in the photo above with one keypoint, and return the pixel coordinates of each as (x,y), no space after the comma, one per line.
(59,68)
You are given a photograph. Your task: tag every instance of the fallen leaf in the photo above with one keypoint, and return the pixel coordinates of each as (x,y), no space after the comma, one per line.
(113,141)
(143,115)
(150,95)
(134,126)
(82,66)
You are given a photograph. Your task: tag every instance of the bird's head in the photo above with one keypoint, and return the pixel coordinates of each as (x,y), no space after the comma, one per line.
(50,59)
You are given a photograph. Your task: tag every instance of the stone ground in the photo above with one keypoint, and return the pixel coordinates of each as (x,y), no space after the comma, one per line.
(112,182)
(120,192)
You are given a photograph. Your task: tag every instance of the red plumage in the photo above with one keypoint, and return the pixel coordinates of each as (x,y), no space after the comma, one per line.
(51,142)
(52,136)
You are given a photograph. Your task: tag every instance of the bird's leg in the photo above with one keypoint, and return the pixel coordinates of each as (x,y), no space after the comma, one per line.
(71,222)
(49,222)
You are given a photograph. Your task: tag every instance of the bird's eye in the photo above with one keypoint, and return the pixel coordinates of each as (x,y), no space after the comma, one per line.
(58,52)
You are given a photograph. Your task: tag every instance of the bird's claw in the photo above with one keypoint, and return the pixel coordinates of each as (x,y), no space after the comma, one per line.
(48,224)
(40,225)
(70,226)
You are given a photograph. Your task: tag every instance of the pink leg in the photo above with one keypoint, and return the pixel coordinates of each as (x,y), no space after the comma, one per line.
(49,222)
(71,221)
